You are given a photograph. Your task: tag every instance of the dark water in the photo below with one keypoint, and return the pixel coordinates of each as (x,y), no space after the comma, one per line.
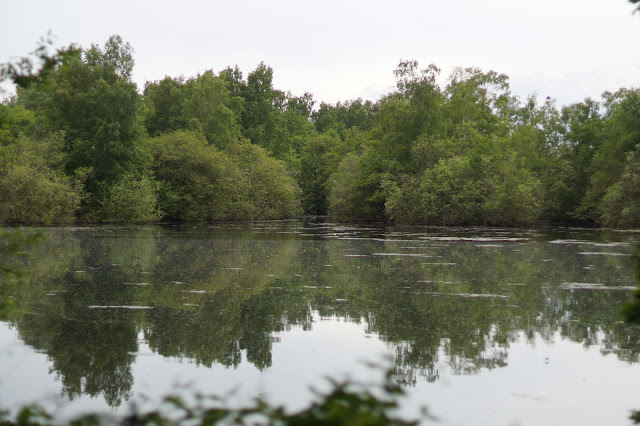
(483,326)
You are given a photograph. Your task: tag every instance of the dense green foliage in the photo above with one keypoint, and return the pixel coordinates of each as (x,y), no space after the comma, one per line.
(76,148)
(34,188)
(132,199)
(85,145)
(198,182)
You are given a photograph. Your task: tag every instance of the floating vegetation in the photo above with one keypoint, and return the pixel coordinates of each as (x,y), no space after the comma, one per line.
(612,244)
(594,286)
(132,307)
(569,241)
(470,295)
(402,254)
(478,239)
(597,253)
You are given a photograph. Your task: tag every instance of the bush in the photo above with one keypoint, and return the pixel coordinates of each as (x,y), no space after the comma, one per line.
(197,182)
(513,194)
(318,161)
(355,189)
(447,194)
(272,193)
(134,199)
(33,196)
(621,205)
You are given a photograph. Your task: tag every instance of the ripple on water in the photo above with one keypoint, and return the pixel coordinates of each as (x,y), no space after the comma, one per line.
(402,254)
(598,253)
(594,286)
(132,307)
(478,239)
(469,295)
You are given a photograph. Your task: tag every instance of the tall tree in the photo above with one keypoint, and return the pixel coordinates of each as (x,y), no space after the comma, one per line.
(95,102)
(259,115)
(164,100)
(620,135)
(205,109)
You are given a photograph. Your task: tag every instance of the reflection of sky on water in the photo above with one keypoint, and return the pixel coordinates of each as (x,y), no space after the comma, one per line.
(486,326)
(26,378)
(302,359)
(562,383)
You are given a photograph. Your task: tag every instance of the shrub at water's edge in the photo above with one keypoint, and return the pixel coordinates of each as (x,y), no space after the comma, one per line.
(198,182)
(134,199)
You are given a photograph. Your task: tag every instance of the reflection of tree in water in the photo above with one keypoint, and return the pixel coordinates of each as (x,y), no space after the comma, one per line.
(93,357)
(214,297)
(426,329)
(220,329)
(206,336)
(220,294)
(89,348)
(421,328)
(593,318)
(87,357)
(420,307)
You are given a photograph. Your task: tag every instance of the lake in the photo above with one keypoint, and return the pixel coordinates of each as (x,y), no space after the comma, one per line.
(482,326)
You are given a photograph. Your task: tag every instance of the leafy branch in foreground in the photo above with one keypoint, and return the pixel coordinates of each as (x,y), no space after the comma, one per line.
(36,69)
(347,403)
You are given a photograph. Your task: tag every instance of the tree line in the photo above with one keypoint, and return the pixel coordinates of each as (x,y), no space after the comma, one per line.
(84,145)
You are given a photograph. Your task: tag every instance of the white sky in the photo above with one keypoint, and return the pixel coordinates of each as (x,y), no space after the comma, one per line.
(344,49)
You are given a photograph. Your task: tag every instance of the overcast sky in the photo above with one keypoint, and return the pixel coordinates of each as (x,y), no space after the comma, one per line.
(345,49)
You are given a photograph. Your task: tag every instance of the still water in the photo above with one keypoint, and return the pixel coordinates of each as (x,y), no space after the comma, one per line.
(482,326)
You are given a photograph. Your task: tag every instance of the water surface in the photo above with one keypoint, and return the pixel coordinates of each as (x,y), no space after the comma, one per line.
(483,326)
